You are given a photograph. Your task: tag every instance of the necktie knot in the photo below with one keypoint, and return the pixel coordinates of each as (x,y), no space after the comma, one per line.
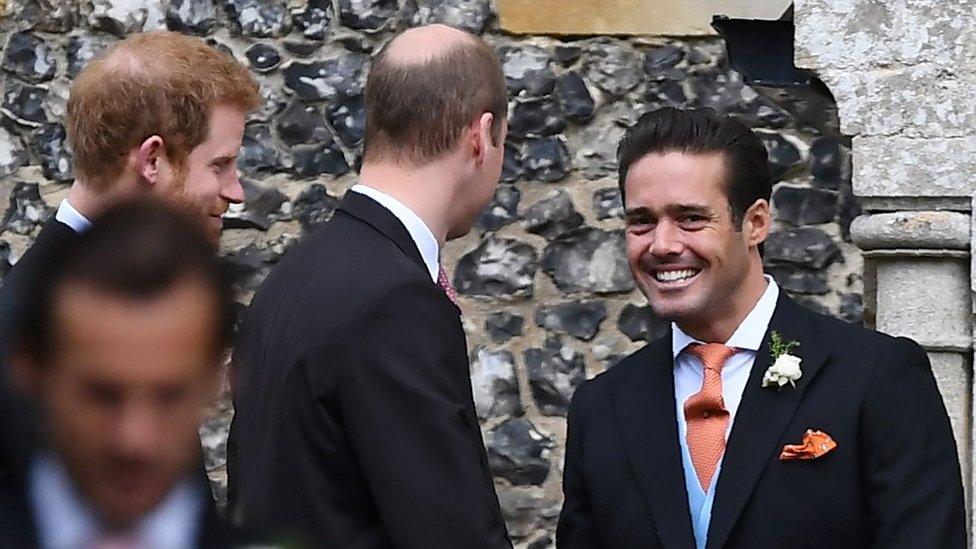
(705,414)
(712,355)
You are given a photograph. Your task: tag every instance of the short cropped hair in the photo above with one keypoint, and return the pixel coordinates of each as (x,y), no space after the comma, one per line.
(154,83)
(134,250)
(416,112)
(703,131)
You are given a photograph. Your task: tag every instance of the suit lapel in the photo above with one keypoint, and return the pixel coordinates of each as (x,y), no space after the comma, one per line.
(644,409)
(763,416)
(375,215)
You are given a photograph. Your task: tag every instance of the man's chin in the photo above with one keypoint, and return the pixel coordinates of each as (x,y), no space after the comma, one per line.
(125,500)
(672,308)
(124,512)
(214,226)
(458,232)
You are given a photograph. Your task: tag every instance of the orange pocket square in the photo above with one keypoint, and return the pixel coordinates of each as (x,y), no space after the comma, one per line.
(815,444)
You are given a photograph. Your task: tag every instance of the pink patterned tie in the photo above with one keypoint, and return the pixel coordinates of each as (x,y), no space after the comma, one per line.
(445,283)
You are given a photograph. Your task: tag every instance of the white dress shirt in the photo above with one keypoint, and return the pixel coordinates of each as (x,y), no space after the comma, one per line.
(71,217)
(64,520)
(688,376)
(419,231)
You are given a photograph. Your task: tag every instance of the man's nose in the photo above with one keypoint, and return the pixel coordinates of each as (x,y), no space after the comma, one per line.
(231,190)
(137,428)
(667,240)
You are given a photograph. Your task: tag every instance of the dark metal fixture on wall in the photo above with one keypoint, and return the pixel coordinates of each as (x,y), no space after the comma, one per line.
(762,51)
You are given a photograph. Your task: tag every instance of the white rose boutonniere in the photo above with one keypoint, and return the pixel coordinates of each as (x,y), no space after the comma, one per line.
(786,367)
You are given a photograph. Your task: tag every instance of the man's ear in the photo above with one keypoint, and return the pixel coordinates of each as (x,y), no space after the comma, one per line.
(480,136)
(757,222)
(149,156)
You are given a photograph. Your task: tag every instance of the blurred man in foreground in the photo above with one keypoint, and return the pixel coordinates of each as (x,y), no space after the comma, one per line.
(158,114)
(121,347)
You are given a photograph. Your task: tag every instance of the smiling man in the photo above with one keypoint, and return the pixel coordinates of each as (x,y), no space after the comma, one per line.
(753,422)
(158,114)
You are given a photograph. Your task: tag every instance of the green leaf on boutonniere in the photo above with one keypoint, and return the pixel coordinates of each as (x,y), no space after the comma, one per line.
(778,347)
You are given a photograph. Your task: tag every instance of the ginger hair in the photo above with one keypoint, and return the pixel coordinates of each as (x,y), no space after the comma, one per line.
(154,83)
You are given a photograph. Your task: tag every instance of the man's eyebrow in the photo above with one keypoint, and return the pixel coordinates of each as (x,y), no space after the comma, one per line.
(688,209)
(223,158)
(639,211)
(672,209)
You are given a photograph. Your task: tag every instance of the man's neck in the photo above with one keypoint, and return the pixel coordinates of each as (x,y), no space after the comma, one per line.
(86,201)
(423,189)
(720,325)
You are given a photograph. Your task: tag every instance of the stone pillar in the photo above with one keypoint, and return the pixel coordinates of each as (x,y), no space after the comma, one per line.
(902,73)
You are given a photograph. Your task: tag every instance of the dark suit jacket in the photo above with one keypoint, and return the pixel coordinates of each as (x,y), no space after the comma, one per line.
(354,422)
(893,481)
(17,431)
(18,526)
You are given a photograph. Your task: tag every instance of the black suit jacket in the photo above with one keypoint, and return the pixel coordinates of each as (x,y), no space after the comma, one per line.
(18,526)
(893,481)
(18,435)
(354,422)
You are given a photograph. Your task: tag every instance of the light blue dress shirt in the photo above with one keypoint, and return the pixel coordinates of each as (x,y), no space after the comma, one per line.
(688,376)
(65,521)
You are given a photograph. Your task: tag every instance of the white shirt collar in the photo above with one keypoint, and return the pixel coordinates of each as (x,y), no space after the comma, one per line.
(71,217)
(751,331)
(419,231)
(64,520)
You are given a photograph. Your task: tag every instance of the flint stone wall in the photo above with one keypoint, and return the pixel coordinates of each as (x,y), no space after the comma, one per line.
(547,296)
(902,73)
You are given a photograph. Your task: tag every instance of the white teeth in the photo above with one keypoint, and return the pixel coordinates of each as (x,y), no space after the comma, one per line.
(674,276)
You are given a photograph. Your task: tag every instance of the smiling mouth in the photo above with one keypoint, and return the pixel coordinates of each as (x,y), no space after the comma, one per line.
(675,276)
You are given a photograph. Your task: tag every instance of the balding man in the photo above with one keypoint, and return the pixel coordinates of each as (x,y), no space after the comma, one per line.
(158,114)
(355,424)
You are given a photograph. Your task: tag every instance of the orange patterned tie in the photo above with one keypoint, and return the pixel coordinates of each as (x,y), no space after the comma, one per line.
(705,413)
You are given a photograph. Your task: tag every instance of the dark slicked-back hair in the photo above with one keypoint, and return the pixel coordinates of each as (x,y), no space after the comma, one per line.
(135,250)
(416,111)
(703,131)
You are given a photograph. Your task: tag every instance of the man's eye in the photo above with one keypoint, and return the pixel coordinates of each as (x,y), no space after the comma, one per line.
(639,225)
(170,396)
(103,394)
